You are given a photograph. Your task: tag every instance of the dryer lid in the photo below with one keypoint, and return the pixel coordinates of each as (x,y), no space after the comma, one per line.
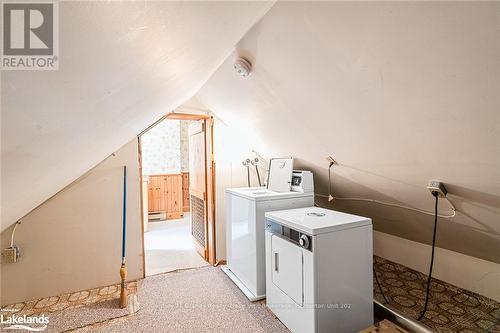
(316,220)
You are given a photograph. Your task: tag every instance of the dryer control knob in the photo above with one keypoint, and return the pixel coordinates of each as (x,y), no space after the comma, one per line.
(304,241)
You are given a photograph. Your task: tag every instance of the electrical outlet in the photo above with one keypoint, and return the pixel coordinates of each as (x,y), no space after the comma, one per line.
(437,186)
(331,160)
(10,255)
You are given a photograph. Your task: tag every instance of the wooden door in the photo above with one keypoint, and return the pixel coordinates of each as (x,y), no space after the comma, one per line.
(185,191)
(200,180)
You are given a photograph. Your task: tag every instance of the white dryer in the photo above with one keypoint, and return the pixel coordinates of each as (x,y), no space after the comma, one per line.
(245,249)
(319,270)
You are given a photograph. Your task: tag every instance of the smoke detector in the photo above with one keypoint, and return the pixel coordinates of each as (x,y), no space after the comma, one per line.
(243,67)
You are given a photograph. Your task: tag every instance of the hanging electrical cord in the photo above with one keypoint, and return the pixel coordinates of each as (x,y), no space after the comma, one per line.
(379,287)
(429,277)
(331,197)
(435,214)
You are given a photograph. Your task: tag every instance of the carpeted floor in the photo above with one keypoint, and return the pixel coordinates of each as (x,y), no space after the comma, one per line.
(450,308)
(169,246)
(197,300)
(205,300)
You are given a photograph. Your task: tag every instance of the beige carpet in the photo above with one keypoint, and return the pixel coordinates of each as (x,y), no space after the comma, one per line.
(205,300)
(197,300)
(169,246)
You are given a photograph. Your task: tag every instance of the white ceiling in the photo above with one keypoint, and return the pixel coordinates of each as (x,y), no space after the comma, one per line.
(122,66)
(399,93)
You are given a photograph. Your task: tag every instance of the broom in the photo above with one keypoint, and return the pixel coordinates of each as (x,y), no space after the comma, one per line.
(123,268)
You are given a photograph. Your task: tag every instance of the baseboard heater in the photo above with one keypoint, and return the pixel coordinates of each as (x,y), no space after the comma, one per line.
(396,317)
(157,216)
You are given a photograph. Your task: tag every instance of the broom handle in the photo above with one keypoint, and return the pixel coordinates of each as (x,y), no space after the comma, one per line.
(123,268)
(124,231)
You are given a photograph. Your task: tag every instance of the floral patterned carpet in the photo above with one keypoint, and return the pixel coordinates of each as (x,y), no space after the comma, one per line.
(450,309)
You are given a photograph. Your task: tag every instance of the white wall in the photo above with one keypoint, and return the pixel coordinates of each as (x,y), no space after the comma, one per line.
(470,273)
(122,65)
(73,241)
(399,93)
(231,147)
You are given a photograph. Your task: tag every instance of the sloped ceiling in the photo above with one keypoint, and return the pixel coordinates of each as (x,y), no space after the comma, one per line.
(399,93)
(122,66)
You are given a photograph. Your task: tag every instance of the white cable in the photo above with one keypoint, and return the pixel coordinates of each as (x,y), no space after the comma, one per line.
(331,197)
(12,235)
(453,214)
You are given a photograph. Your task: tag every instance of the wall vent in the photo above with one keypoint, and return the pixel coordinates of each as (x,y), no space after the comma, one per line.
(198,220)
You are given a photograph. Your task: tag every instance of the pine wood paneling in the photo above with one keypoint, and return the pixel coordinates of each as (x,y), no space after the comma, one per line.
(165,195)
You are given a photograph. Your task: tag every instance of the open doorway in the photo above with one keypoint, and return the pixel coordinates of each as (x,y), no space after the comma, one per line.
(177,167)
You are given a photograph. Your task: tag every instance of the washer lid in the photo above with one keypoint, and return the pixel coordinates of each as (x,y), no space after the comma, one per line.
(315,220)
(263,194)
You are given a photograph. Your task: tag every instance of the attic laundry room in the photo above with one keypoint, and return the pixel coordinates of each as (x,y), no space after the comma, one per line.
(250,166)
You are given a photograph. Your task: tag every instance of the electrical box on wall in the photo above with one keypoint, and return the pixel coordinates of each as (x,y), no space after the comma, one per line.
(10,255)
(438,187)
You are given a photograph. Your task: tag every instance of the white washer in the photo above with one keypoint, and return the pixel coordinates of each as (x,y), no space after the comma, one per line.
(319,270)
(245,249)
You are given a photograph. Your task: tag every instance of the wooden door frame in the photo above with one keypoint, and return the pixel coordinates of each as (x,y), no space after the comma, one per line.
(210,180)
(139,155)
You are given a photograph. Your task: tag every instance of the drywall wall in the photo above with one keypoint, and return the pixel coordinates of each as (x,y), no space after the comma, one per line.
(229,152)
(122,65)
(477,275)
(73,241)
(399,93)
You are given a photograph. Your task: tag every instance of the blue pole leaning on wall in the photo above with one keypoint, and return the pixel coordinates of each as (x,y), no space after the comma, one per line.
(123,268)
